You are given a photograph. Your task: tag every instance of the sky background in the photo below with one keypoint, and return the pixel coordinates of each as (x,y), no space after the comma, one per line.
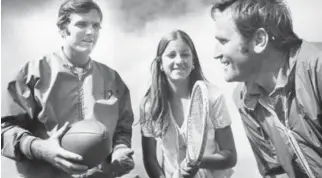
(128,40)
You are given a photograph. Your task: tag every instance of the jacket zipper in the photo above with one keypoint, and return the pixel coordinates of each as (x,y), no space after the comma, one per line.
(80,95)
(291,139)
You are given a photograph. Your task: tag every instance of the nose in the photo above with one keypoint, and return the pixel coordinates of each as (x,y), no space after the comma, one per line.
(90,29)
(217,52)
(178,59)
(218,56)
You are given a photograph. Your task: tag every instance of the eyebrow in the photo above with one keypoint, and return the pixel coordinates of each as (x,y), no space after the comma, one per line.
(85,21)
(221,37)
(81,22)
(185,50)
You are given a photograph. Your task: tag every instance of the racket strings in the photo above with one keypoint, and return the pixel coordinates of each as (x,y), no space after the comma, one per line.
(195,123)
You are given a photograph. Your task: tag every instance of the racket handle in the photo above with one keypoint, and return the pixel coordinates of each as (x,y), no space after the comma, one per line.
(176,174)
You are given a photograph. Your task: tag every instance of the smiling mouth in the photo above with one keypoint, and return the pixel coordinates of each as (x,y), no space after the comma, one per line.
(88,41)
(225,63)
(179,69)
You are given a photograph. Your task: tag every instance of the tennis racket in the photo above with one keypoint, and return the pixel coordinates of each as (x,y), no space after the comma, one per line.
(197,123)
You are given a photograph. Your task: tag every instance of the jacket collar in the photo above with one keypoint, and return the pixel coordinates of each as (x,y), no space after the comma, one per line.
(285,79)
(67,64)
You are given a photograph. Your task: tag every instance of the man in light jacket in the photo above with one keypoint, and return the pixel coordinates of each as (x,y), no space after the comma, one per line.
(60,89)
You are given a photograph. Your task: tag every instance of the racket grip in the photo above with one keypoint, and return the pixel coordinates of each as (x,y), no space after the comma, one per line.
(176,174)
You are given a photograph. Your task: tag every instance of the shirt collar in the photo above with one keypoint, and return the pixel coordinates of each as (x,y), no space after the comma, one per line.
(285,75)
(252,91)
(67,64)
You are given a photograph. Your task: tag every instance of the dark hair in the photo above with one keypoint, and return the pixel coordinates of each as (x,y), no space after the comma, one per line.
(272,15)
(157,96)
(75,6)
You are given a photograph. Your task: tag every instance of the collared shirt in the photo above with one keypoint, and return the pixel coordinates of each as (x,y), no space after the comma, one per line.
(173,142)
(51,91)
(270,117)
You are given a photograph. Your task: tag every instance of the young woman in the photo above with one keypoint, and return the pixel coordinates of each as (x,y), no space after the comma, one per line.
(162,117)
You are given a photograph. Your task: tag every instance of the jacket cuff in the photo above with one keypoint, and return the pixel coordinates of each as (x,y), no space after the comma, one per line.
(116,147)
(25,145)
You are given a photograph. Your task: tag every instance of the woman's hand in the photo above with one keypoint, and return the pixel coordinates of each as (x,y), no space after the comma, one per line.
(95,172)
(122,161)
(185,170)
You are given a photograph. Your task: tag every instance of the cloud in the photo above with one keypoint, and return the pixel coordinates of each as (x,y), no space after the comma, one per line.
(130,15)
(20,7)
(133,15)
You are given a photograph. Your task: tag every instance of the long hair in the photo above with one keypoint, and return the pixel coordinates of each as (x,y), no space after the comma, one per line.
(155,103)
(272,15)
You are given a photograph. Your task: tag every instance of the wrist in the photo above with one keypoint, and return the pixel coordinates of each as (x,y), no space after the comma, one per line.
(119,147)
(25,145)
(35,148)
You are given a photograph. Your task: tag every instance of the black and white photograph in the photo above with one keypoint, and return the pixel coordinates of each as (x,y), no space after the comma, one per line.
(161,89)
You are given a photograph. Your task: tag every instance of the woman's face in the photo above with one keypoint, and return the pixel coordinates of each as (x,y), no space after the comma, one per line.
(177,60)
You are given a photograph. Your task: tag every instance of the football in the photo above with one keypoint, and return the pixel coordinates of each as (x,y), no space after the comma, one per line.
(90,139)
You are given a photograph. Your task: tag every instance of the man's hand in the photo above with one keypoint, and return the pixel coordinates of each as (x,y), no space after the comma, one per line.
(51,151)
(122,161)
(185,170)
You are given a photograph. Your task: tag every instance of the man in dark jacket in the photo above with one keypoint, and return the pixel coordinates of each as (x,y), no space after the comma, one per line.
(280,99)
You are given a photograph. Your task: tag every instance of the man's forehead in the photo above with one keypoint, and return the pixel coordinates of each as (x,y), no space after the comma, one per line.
(224,22)
(224,18)
(92,15)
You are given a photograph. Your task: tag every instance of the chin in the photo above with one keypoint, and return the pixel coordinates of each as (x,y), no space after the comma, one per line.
(231,78)
(85,50)
(178,78)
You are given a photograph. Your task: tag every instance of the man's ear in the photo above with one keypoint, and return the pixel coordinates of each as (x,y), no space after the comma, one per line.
(260,40)
(64,32)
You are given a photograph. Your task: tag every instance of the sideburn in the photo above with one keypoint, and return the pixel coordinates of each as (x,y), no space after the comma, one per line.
(244,49)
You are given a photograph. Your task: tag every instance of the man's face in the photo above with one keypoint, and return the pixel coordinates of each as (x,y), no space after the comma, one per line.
(82,31)
(239,61)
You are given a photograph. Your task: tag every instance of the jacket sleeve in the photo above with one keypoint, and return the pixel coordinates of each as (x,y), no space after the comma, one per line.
(312,95)
(318,74)
(123,132)
(19,110)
